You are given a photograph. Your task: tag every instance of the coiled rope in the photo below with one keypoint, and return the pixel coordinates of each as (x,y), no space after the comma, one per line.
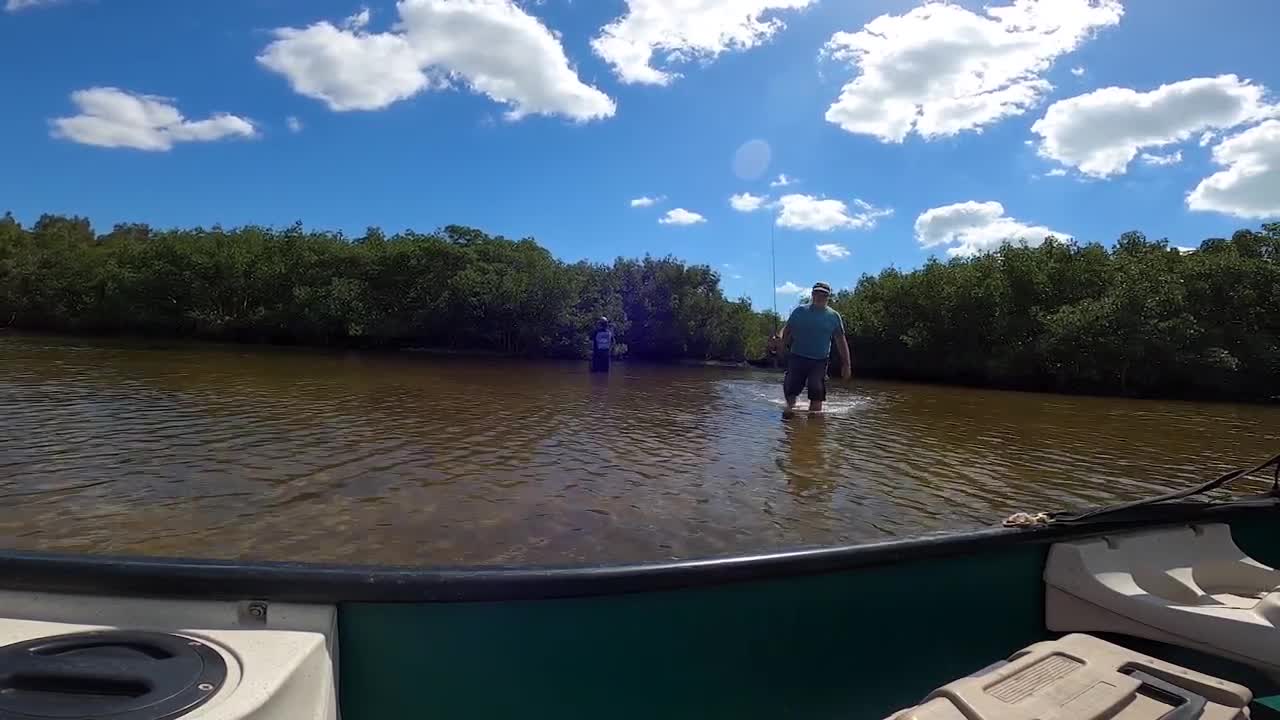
(1039,519)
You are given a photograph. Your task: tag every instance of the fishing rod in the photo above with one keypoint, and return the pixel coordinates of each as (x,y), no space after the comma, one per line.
(773,253)
(773,259)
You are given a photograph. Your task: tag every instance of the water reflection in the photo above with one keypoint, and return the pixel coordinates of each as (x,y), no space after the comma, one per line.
(222,451)
(802,460)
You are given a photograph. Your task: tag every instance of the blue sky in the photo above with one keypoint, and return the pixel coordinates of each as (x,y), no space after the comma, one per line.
(907,129)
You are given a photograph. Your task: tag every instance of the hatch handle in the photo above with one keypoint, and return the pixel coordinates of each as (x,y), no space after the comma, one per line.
(1187,705)
(77,683)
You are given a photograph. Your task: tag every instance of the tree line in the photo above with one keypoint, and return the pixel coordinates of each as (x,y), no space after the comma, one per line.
(457,288)
(1138,318)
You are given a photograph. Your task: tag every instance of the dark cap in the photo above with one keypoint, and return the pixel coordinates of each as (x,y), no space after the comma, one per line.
(822,288)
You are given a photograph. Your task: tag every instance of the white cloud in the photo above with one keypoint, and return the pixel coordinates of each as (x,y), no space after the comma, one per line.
(492,46)
(746,202)
(973,227)
(806,212)
(831,251)
(1184,250)
(360,20)
(1249,187)
(789,288)
(940,69)
(1077,71)
(114,118)
(1172,158)
(1056,172)
(346,67)
(19,5)
(680,216)
(681,31)
(1102,131)
(293,123)
(783,181)
(645,201)
(1207,137)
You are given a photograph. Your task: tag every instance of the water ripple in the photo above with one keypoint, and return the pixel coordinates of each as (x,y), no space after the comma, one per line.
(214,451)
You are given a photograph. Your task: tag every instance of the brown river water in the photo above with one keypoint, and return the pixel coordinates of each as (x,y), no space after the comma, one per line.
(232,452)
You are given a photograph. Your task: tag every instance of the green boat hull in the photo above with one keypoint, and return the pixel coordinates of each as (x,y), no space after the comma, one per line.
(859,643)
(833,633)
(845,645)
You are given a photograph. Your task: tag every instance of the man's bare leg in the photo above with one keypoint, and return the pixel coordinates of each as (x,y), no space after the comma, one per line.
(791,406)
(817,387)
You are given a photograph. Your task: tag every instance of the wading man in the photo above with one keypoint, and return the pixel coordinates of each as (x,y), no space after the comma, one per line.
(601,346)
(809,333)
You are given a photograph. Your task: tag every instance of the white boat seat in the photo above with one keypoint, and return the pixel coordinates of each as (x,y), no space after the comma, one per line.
(1083,678)
(1188,586)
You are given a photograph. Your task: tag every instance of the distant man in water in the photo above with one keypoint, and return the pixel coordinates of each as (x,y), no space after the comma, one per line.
(601,346)
(809,333)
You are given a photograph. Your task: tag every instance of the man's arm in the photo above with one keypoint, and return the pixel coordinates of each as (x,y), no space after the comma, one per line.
(786,336)
(846,357)
(842,347)
(774,345)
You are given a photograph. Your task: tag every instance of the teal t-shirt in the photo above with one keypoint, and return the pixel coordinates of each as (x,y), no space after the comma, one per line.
(812,331)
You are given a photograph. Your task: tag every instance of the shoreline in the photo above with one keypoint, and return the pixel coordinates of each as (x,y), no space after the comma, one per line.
(882,374)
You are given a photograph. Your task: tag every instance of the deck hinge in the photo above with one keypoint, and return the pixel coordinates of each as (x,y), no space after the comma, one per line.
(253,612)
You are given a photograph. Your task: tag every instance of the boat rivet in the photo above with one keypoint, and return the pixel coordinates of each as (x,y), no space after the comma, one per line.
(206,687)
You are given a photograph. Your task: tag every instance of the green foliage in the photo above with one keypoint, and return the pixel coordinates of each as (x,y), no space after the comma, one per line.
(457,288)
(1142,318)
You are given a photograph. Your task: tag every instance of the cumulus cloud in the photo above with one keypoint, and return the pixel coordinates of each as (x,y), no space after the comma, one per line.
(1207,137)
(680,216)
(831,251)
(783,181)
(114,118)
(1249,187)
(972,227)
(789,288)
(293,123)
(493,47)
(746,202)
(18,5)
(807,212)
(1077,71)
(1184,250)
(941,69)
(680,31)
(645,201)
(1172,158)
(1102,131)
(346,67)
(1056,172)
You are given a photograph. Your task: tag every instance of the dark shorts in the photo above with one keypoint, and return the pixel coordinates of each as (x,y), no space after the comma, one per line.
(805,372)
(600,361)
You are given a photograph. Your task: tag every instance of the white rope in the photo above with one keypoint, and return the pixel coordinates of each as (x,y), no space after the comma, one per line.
(1026,520)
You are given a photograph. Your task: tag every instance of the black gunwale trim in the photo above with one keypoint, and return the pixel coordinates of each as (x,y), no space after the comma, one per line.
(300,582)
